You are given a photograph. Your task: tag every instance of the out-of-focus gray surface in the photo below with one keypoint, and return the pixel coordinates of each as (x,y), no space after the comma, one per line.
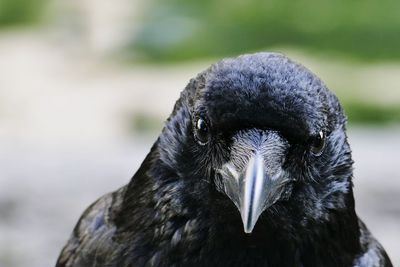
(43,190)
(377,184)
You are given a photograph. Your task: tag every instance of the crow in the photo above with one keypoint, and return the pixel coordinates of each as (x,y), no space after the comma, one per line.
(252,168)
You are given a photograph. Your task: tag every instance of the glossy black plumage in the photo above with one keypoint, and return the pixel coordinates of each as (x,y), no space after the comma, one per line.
(176,210)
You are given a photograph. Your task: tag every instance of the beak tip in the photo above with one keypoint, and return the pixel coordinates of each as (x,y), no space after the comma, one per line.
(248,224)
(248,230)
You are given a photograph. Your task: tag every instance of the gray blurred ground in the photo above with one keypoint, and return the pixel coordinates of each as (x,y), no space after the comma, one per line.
(65,140)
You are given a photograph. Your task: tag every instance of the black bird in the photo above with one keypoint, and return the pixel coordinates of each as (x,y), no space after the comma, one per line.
(252,168)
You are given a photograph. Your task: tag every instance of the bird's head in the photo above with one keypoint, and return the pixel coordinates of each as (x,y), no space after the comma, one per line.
(264,132)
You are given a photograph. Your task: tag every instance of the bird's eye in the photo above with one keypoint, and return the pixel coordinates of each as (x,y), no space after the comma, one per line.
(201,131)
(318,144)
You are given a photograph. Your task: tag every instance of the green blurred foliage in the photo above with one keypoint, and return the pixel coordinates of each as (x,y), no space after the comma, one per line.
(369,113)
(144,123)
(20,12)
(185,29)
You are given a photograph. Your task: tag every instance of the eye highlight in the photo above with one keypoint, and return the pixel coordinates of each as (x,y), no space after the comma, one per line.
(318,143)
(201,131)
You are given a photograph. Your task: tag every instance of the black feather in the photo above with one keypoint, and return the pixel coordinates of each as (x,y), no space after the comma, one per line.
(174,211)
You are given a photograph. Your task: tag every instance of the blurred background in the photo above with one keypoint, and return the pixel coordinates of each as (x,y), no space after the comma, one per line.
(85,86)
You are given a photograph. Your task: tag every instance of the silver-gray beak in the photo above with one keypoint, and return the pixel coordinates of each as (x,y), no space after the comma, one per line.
(248,189)
(253,178)
(253,192)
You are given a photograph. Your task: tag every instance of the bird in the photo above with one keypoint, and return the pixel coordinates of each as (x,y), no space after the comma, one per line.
(252,168)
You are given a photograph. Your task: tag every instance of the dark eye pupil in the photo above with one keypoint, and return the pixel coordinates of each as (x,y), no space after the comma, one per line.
(201,132)
(201,125)
(318,144)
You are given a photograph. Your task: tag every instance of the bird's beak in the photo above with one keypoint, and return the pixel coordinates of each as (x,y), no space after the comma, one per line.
(254,179)
(252,192)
